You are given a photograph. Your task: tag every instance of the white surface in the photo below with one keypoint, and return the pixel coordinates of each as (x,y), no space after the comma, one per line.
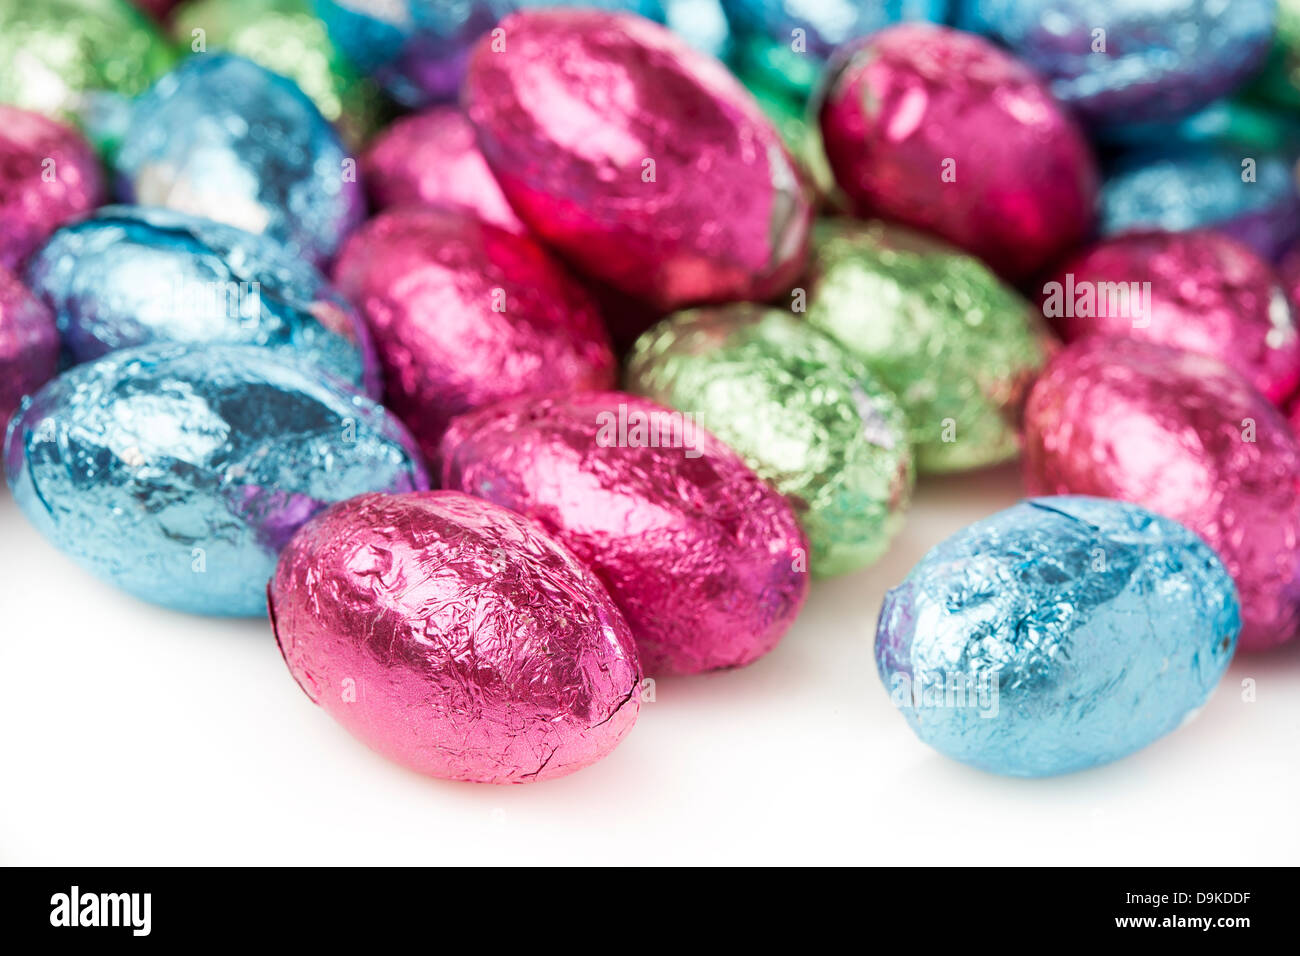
(130,735)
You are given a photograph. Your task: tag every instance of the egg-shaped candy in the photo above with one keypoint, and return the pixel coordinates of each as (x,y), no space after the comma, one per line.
(226,139)
(941,130)
(29,344)
(1186,436)
(808,417)
(705,560)
(1056,635)
(464,314)
(639,159)
(133,275)
(1199,290)
(455,638)
(178,473)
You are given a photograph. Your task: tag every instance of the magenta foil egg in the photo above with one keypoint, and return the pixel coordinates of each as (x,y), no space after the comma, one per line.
(1201,291)
(705,560)
(49,175)
(1184,435)
(641,160)
(464,314)
(433,159)
(455,638)
(29,344)
(941,130)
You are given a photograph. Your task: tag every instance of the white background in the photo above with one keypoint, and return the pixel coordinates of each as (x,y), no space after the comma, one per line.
(132,735)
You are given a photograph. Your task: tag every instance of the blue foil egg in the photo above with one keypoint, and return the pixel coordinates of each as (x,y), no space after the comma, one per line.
(178,473)
(226,139)
(133,275)
(1059,634)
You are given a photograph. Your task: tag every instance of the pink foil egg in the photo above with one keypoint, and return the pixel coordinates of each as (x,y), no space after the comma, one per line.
(705,560)
(432,159)
(49,175)
(29,344)
(1200,291)
(455,638)
(941,130)
(464,314)
(1184,435)
(641,160)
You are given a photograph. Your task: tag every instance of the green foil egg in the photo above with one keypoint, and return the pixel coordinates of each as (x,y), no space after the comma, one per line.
(807,417)
(957,345)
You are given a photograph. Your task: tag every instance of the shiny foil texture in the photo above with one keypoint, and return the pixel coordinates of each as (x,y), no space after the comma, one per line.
(956,346)
(704,559)
(639,159)
(433,159)
(226,139)
(1199,291)
(464,314)
(806,415)
(134,275)
(1183,435)
(1059,634)
(455,638)
(943,131)
(29,344)
(48,175)
(1162,59)
(177,474)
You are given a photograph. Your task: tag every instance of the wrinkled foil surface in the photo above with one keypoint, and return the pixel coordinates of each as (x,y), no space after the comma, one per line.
(177,474)
(226,139)
(1056,635)
(807,417)
(704,559)
(455,637)
(1200,290)
(1183,435)
(29,344)
(133,275)
(639,159)
(464,314)
(943,131)
(956,346)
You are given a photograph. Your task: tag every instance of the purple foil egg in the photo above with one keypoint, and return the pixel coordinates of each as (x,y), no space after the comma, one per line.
(29,344)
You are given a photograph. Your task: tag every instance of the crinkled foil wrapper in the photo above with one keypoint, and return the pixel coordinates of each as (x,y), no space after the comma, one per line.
(30,206)
(943,131)
(1184,435)
(639,159)
(177,474)
(958,347)
(133,275)
(224,138)
(1056,635)
(808,418)
(433,159)
(464,314)
(29,344)
(1201,291)
(705,560)
(455,637)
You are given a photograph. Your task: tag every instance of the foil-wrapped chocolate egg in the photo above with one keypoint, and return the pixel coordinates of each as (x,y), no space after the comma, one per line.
(455,637)
(133,275)
(1057,635)
(48,175)
(1200,290)
(29,344)
(432,159)
(226,139)
(1186,436)
(941,130)
(956,346)
(806,415)
(705,560)
(178,473)
(639,159)
(464,314)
